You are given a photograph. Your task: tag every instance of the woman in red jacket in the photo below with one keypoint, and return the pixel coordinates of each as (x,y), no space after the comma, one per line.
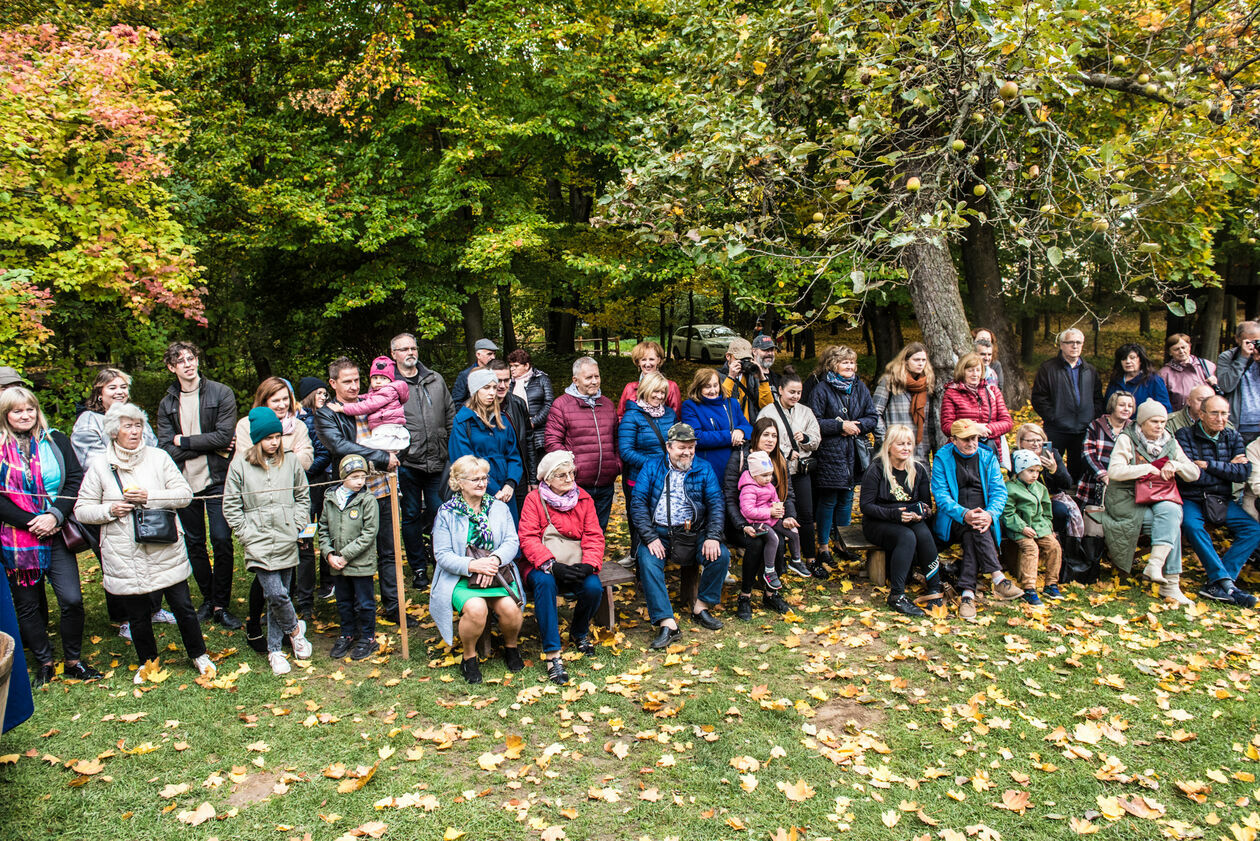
(969,397)
(562,550)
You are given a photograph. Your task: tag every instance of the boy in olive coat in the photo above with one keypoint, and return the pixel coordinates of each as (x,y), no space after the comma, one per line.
(347,540)
(1026,521)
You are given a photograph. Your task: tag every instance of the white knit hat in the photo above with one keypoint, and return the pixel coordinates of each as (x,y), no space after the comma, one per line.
(479,378)
(553,461)
(1151,409)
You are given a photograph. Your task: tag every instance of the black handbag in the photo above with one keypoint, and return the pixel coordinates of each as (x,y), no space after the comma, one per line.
(683,540)
(1215,509)
(804,463)
(152,525)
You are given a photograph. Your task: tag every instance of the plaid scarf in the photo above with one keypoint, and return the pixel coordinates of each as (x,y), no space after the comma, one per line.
(22,479)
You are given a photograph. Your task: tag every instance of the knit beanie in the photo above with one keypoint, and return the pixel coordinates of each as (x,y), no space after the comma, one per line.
(308,386)
(759,463)
(383,366)
(1021,460)
(479,378)
(263,422)
(1151,409)
(552,462)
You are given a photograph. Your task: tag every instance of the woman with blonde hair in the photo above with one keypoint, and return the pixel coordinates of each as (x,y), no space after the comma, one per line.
(895,502)
(648,357)
(906,395)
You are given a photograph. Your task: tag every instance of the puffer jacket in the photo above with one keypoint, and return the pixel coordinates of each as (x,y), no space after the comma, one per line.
(429,414)
(350,532)
(735,518)
(321,464)
(539,395)
(702,489)
(590,434)
(837,455)
(382,405)
(1221,473)
(265,516)
(297,443)
(130,568)
(984,405)
(755,500)
(636,442)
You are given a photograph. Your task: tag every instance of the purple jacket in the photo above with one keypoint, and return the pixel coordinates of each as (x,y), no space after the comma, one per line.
(590,434)
(381,405)
(1180,379)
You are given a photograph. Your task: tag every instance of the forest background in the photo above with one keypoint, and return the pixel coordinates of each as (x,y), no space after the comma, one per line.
(286,182)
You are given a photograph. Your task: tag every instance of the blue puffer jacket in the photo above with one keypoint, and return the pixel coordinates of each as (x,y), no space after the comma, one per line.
(471,436)
(713,421)
(1221,474)
(322,464)
(637,444)
(945,491)
(836,454)
(703,491)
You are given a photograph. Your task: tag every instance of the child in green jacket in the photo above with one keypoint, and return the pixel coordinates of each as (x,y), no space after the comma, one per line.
(1027,523)
(347,540)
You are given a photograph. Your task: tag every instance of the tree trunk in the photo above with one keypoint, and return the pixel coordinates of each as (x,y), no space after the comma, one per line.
(474,322)
(1210,324)
(1047,334)
(1027,339)
(1144,321)
(984,286)
(937,304)
(691,321)
(505,318)
(883,329)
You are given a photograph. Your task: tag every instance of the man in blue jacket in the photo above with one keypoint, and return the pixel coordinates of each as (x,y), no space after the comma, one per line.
(671,522)
(970,495)
(1208,501)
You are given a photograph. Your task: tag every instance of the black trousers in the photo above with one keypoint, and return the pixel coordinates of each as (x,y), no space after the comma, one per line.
(904,544)
(214,583)
(979,554)
(1072,445)
(803,490)
(303,585)
(28,601)
(139,611)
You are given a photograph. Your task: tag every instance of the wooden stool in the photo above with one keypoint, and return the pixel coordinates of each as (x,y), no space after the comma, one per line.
(876,561)
(610,575)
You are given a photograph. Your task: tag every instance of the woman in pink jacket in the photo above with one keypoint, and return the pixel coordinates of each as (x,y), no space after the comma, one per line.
(969,397)
(1183,370)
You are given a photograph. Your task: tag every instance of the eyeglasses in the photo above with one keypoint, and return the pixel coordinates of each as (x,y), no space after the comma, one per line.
(1072,342)
(186,360)
(476,480)
(562,474)
(408,349)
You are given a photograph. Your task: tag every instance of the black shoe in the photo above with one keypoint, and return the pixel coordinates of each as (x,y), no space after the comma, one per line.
(512,658)
(664,637)
(420,580)
(326,593)
(227,620)
(903,605)
(556,673)
(43,674)
(705,620)
(1217,591)
(844,554)
(743,609)
(471,670)
(775,602)
(363,649)
(583,643)
(819,569)
(81,671)
(341,647)
(205,612)
(1241,597)
(254,635)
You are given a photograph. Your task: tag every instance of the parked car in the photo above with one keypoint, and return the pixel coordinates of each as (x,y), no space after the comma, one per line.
(708,342)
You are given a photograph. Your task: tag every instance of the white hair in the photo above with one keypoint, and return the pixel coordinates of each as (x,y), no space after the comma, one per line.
(1071,331)
(117,413)
(582,362)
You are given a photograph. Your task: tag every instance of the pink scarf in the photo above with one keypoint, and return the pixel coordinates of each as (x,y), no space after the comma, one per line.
(24,555)
(560,502)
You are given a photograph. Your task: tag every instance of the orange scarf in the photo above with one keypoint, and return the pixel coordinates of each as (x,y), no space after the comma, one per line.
(917,388)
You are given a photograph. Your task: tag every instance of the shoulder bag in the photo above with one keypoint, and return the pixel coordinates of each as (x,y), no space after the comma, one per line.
(565,550)
(804,463)
(861,444)
(151,525)
(1149,490)
(683,541)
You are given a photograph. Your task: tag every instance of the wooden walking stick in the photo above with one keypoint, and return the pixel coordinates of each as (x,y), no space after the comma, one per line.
(398,563)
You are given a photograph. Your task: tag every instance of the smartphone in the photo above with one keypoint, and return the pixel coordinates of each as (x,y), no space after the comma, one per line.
(1045,446)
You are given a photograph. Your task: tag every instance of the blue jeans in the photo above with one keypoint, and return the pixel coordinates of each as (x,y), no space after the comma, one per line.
(652,578)
(356,605)
(603,497)
(831,505)
(281,618)
(545,592)
(419,500)
(1245,531)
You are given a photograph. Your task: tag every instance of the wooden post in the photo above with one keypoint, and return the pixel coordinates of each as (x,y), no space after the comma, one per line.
(398,565)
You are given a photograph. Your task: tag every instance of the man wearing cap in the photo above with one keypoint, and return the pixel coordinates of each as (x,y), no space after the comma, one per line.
(10,377)
(483,351)
(342,435)
(584,422)
(744,376)
(676,505)
(429,415)
(196,420)
(970,497)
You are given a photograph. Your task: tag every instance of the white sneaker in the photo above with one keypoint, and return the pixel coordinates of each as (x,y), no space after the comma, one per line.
(301,646)
(138,679)
(163,616)
(279,663)
(124,631)
(204,666)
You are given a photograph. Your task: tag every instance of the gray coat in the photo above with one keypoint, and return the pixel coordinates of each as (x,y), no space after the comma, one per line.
(450,542)
(266,509)
(1231,367)
(429,414)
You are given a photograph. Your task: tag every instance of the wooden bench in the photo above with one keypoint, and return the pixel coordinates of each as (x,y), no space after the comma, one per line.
(876,561)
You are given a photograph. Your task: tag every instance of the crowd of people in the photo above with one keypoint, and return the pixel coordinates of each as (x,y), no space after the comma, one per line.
(506,488)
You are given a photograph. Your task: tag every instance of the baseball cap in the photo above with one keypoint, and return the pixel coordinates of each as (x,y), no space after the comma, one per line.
(681,432)
(763,342)
(965,429)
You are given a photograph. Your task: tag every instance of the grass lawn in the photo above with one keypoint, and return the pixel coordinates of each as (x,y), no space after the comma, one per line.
(1105,713)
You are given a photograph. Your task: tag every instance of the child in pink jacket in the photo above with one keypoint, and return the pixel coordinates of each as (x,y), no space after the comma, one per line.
(383,406)
(760,504)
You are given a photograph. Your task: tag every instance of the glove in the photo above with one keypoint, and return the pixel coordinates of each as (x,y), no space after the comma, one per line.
(571,576)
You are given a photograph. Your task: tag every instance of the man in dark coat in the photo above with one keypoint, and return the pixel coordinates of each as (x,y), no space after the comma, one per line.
(1067,394)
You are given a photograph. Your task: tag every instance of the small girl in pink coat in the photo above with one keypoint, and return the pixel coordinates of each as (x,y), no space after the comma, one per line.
(760,504)
(383,406)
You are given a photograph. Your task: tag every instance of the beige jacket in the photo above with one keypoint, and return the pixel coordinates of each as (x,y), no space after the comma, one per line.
(132,568)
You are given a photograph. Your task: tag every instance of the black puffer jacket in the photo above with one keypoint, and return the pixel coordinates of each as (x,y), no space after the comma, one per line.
(837,460)
(735,519)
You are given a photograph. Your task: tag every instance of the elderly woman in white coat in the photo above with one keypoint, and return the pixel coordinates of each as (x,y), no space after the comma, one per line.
(473,536)
(129,475)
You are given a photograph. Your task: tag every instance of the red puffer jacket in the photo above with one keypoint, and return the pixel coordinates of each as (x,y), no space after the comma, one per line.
(581,522)
(984,405)
(590,434)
